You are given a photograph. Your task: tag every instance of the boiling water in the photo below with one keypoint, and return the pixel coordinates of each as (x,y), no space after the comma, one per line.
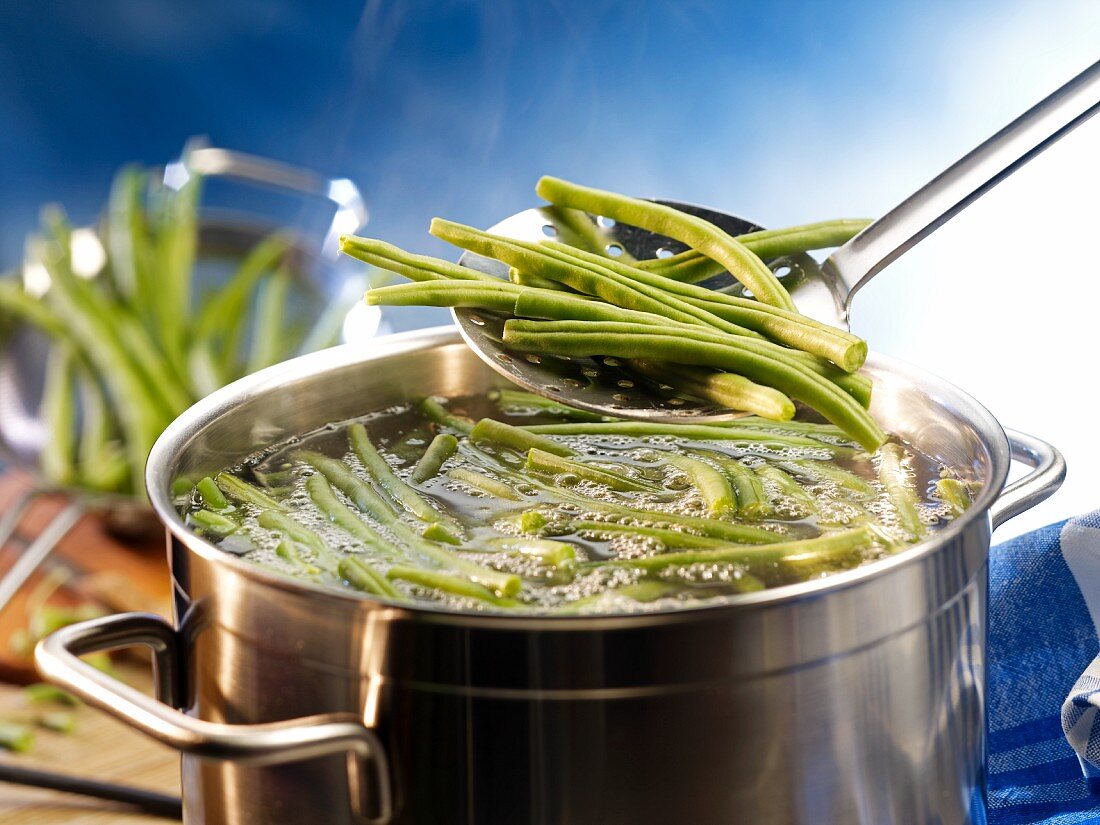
(402,433)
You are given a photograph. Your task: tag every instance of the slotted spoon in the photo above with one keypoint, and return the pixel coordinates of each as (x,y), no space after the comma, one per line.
(822,291)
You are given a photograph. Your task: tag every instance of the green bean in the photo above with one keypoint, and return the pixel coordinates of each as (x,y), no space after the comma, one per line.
(58,411)
(809,428)
(734,392)
(766,244)
(434,531)
(246,493)
(44,692)
(791,496)
(669,538)
(443,446)
(736,355)
(343,517)
(362,576)
(414,267)
(483,484)
(176,242)
(534,520)
(127,239)
(555,553)
(786,327)
(344,479)
(212,497)
(182,485)
(752,500)
(746,582)
(516,438)
(269,333)
(368,501)
(280,522)
(383,475)
(222,318)
(544,462)
(15,301)
(88,321)
(790,491)
(798,332)
(450,584)
(700,432)
(954,494)
(433,410)
(714,487)
(854,540)
(816,562)
(643,591)
(562,306)
(857,386)
(204,369)
(499,297)
(590,274)
(215,524)
(899,489)
(845,479)
(508,400)
(167,379)
(287,549)
(591,278)
(521,278)
(58,721)
(15,737)
(577,228)
(712,528)
(665,220)
(276,480)
(290,530)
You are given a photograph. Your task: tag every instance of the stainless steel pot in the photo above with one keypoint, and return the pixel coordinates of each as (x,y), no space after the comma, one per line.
(854,699)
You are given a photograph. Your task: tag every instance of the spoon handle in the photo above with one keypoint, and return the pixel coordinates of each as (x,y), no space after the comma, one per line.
(939,200)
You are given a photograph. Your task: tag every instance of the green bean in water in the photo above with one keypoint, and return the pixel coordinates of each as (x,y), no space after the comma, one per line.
(671,530)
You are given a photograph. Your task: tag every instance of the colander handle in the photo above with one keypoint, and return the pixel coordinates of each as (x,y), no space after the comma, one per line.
(262,744)
(1036,486)
(210,161)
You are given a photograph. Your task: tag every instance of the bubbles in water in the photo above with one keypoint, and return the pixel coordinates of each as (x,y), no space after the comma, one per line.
(560,501)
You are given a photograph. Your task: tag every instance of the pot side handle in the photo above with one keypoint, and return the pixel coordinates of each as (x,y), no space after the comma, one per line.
(269,743)
(1036,486)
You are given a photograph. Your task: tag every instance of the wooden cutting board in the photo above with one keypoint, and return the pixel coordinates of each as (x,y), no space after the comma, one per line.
(120,575)
(99,747)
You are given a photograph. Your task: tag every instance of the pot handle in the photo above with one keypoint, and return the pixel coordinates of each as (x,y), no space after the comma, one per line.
(266,744)
(1036,486)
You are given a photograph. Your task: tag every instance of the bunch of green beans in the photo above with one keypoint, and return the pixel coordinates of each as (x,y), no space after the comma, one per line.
(133,345)
(530,509)
(756,355)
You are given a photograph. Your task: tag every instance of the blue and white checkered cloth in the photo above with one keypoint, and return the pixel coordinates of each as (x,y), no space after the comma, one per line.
(1044,610)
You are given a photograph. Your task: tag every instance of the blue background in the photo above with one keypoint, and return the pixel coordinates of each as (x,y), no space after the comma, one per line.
(457,107)
(783,112)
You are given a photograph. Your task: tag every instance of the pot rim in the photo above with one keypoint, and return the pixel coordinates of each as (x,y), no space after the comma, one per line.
(191,422)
